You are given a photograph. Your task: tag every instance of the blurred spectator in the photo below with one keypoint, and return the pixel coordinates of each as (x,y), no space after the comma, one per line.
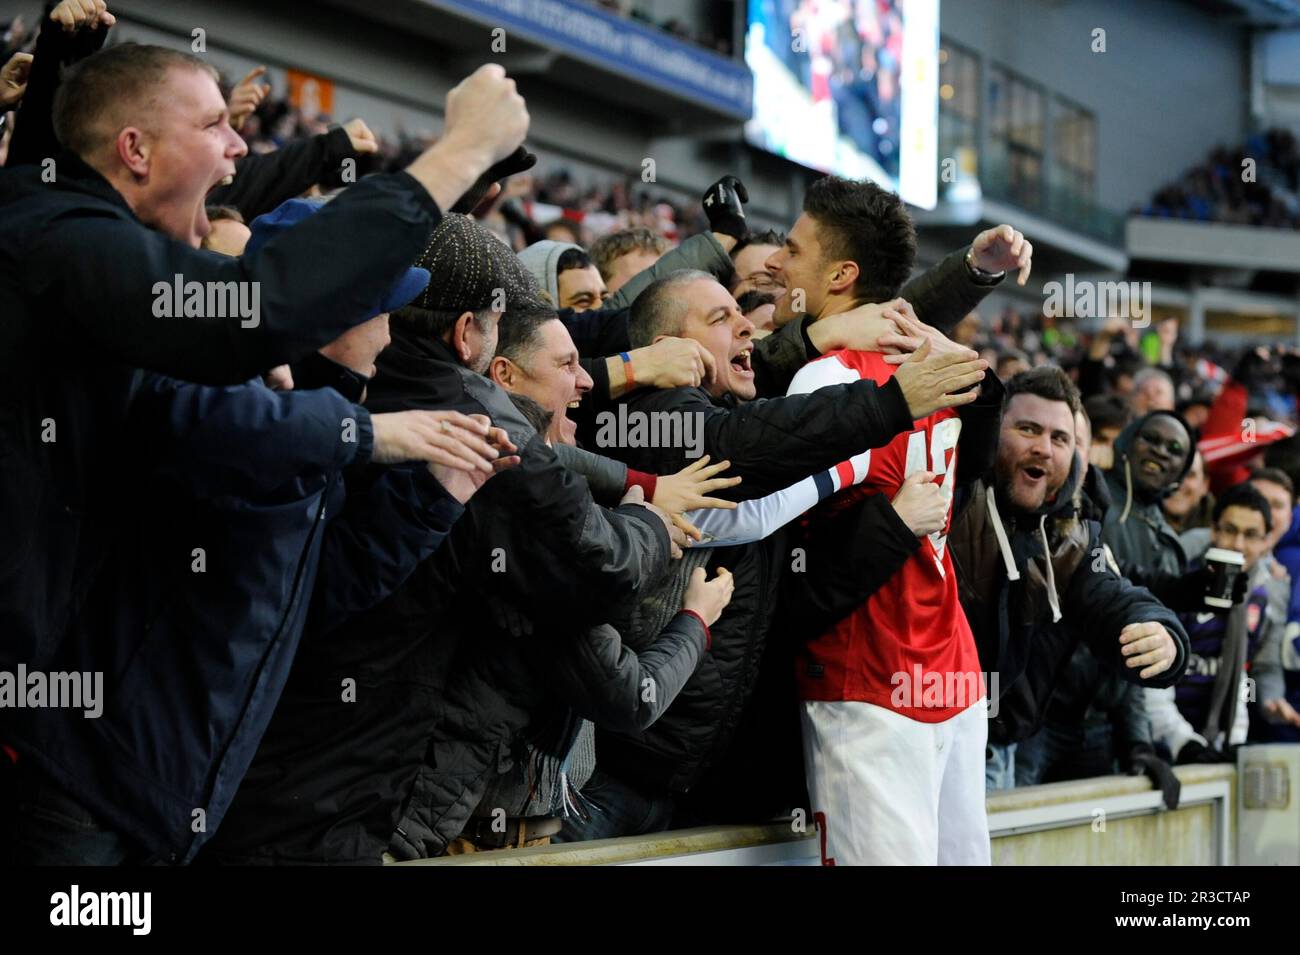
(562,231)
(229,234)
(566,274)
(1196,409)
(1011,363)
(750,256)
(1108,415)
(1278,490)
(1153,390)
(621,255)
(1217,191)
(1192,504)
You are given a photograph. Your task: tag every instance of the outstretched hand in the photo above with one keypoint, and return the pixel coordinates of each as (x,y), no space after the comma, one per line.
(689,488)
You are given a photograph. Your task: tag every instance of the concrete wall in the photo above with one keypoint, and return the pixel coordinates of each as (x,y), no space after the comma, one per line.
(1172,83)
(1117,820)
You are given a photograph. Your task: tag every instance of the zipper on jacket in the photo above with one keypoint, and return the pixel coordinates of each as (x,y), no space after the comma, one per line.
(731,718)
(294,598)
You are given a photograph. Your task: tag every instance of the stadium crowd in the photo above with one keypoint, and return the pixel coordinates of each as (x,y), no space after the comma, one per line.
(337,530)
(1256,183)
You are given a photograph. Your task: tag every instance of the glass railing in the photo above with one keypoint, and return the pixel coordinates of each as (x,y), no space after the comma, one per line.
(1061,203)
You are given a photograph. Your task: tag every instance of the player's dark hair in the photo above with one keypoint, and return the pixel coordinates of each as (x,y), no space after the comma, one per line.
(862,223)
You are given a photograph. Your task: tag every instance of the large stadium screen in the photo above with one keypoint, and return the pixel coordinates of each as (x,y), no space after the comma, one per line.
(849,87)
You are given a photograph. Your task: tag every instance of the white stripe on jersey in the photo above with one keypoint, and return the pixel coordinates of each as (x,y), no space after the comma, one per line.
(819,374)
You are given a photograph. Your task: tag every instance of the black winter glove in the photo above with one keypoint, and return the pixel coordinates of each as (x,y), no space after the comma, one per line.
(518,161)
(1195,752)
(724,205)
(1143,759)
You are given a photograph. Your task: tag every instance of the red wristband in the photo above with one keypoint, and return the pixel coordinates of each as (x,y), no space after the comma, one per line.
(708,637)
(646,482)
(627,370)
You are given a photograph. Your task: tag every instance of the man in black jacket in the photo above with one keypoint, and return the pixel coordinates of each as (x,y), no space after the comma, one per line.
(93,259)
(1035,578)
(772,444)
(194,622)
(584,678)
(440,692)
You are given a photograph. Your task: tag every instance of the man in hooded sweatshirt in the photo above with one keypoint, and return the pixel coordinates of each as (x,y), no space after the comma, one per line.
(1152,455)
(1094,720)
(566,273)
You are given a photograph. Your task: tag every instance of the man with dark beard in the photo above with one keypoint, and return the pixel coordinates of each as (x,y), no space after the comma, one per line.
(1033,578)
(1094,720)
(1062,588)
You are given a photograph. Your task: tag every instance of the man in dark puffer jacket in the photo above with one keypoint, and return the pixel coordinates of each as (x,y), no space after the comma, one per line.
(433,677)
(772,444)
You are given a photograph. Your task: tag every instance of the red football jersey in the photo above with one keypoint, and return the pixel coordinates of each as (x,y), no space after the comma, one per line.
(909,647)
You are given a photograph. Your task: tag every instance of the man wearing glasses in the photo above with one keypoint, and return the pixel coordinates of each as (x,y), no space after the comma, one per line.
(757,290)
(1204,717)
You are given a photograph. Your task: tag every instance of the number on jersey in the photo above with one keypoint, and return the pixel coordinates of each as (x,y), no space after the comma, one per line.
(935,457)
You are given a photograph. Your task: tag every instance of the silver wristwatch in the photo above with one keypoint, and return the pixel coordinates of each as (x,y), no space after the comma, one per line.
(981,276)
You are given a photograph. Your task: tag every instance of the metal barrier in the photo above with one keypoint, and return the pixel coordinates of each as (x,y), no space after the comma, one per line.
(1111,820)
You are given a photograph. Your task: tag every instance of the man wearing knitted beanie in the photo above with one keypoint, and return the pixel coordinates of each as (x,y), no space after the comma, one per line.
(434,678)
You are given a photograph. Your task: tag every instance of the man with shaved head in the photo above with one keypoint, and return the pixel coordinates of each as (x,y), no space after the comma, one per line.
(771,443)
(99,250)
(174,126)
